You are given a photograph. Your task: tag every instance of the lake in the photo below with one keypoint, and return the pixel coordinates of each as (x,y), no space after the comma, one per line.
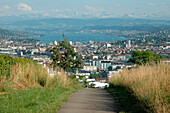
(51,37)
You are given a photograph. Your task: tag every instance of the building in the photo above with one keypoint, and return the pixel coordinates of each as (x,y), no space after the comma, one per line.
(100,64)
(7,51)
(108,45)
(90,68)
(128,44)
(55,42)
(95,57)
(70,42)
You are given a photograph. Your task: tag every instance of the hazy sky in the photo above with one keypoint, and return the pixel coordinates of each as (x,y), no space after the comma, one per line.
(86,8)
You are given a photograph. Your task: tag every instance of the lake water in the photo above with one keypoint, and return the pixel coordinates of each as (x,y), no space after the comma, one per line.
(48,38)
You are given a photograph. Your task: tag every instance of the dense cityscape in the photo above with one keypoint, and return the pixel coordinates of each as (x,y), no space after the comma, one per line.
(100,59)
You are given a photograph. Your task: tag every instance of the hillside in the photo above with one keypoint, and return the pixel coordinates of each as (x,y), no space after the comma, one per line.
(11,34)
(143,89)
(26,86)
(89,22)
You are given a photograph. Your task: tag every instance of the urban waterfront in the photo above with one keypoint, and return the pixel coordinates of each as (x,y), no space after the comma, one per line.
(51,37)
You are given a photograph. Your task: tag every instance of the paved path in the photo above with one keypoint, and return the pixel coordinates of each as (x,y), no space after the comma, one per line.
(90,101)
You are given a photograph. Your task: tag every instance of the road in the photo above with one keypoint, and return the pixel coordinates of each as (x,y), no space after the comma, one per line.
(90,101)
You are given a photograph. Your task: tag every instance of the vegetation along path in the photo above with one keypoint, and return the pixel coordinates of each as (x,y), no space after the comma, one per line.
(90,101)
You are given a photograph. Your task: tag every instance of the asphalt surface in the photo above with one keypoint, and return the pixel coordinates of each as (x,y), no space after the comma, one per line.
(90,101)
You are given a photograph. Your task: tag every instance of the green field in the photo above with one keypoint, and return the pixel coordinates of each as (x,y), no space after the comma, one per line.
(34,100)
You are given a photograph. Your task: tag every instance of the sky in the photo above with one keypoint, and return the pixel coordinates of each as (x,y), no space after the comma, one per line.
(158,9)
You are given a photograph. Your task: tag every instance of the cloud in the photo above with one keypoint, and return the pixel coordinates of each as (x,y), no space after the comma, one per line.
(6,7)
(118,5)
(37,12)
(90,8)
(132,15)
(62,16)
(57,10)
(162,3)
(151,4)
(46,14)
(24,7)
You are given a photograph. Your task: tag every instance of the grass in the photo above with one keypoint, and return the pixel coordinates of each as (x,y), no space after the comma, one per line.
(34,100)
(147,85)
(34,75)
(29,88)
(126,100)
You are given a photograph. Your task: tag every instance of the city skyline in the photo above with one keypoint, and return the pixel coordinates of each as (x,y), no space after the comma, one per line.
(149,9)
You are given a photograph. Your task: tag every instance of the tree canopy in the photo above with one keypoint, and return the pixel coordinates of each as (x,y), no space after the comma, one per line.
(144,57)
(64,56)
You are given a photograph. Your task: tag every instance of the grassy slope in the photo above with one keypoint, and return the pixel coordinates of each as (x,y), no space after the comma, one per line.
(34,100)
(29,88)
(126,100)
(143,89)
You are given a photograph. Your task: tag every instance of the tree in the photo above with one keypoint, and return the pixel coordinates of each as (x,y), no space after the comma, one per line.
(144,57)
(64,56)
(95,76)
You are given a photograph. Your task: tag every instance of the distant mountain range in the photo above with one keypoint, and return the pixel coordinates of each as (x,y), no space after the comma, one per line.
(65,24)
(91,22)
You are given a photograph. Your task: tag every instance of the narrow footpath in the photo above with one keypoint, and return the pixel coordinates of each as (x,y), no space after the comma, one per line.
(90,101)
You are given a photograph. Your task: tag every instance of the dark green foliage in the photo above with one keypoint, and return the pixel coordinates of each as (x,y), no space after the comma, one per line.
(64,56)
(85,82)
(88,57)
(105,53)
(95,76)
(91,85)
(42,81)
(98,53)
(144,57)
(5,64)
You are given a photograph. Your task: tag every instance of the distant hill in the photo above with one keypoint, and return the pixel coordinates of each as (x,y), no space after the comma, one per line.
(76,25)
(126,28)
(10,34)
(4,33)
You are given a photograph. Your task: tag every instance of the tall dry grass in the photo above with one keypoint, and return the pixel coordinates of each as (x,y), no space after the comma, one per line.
(34,75)
(150,83)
